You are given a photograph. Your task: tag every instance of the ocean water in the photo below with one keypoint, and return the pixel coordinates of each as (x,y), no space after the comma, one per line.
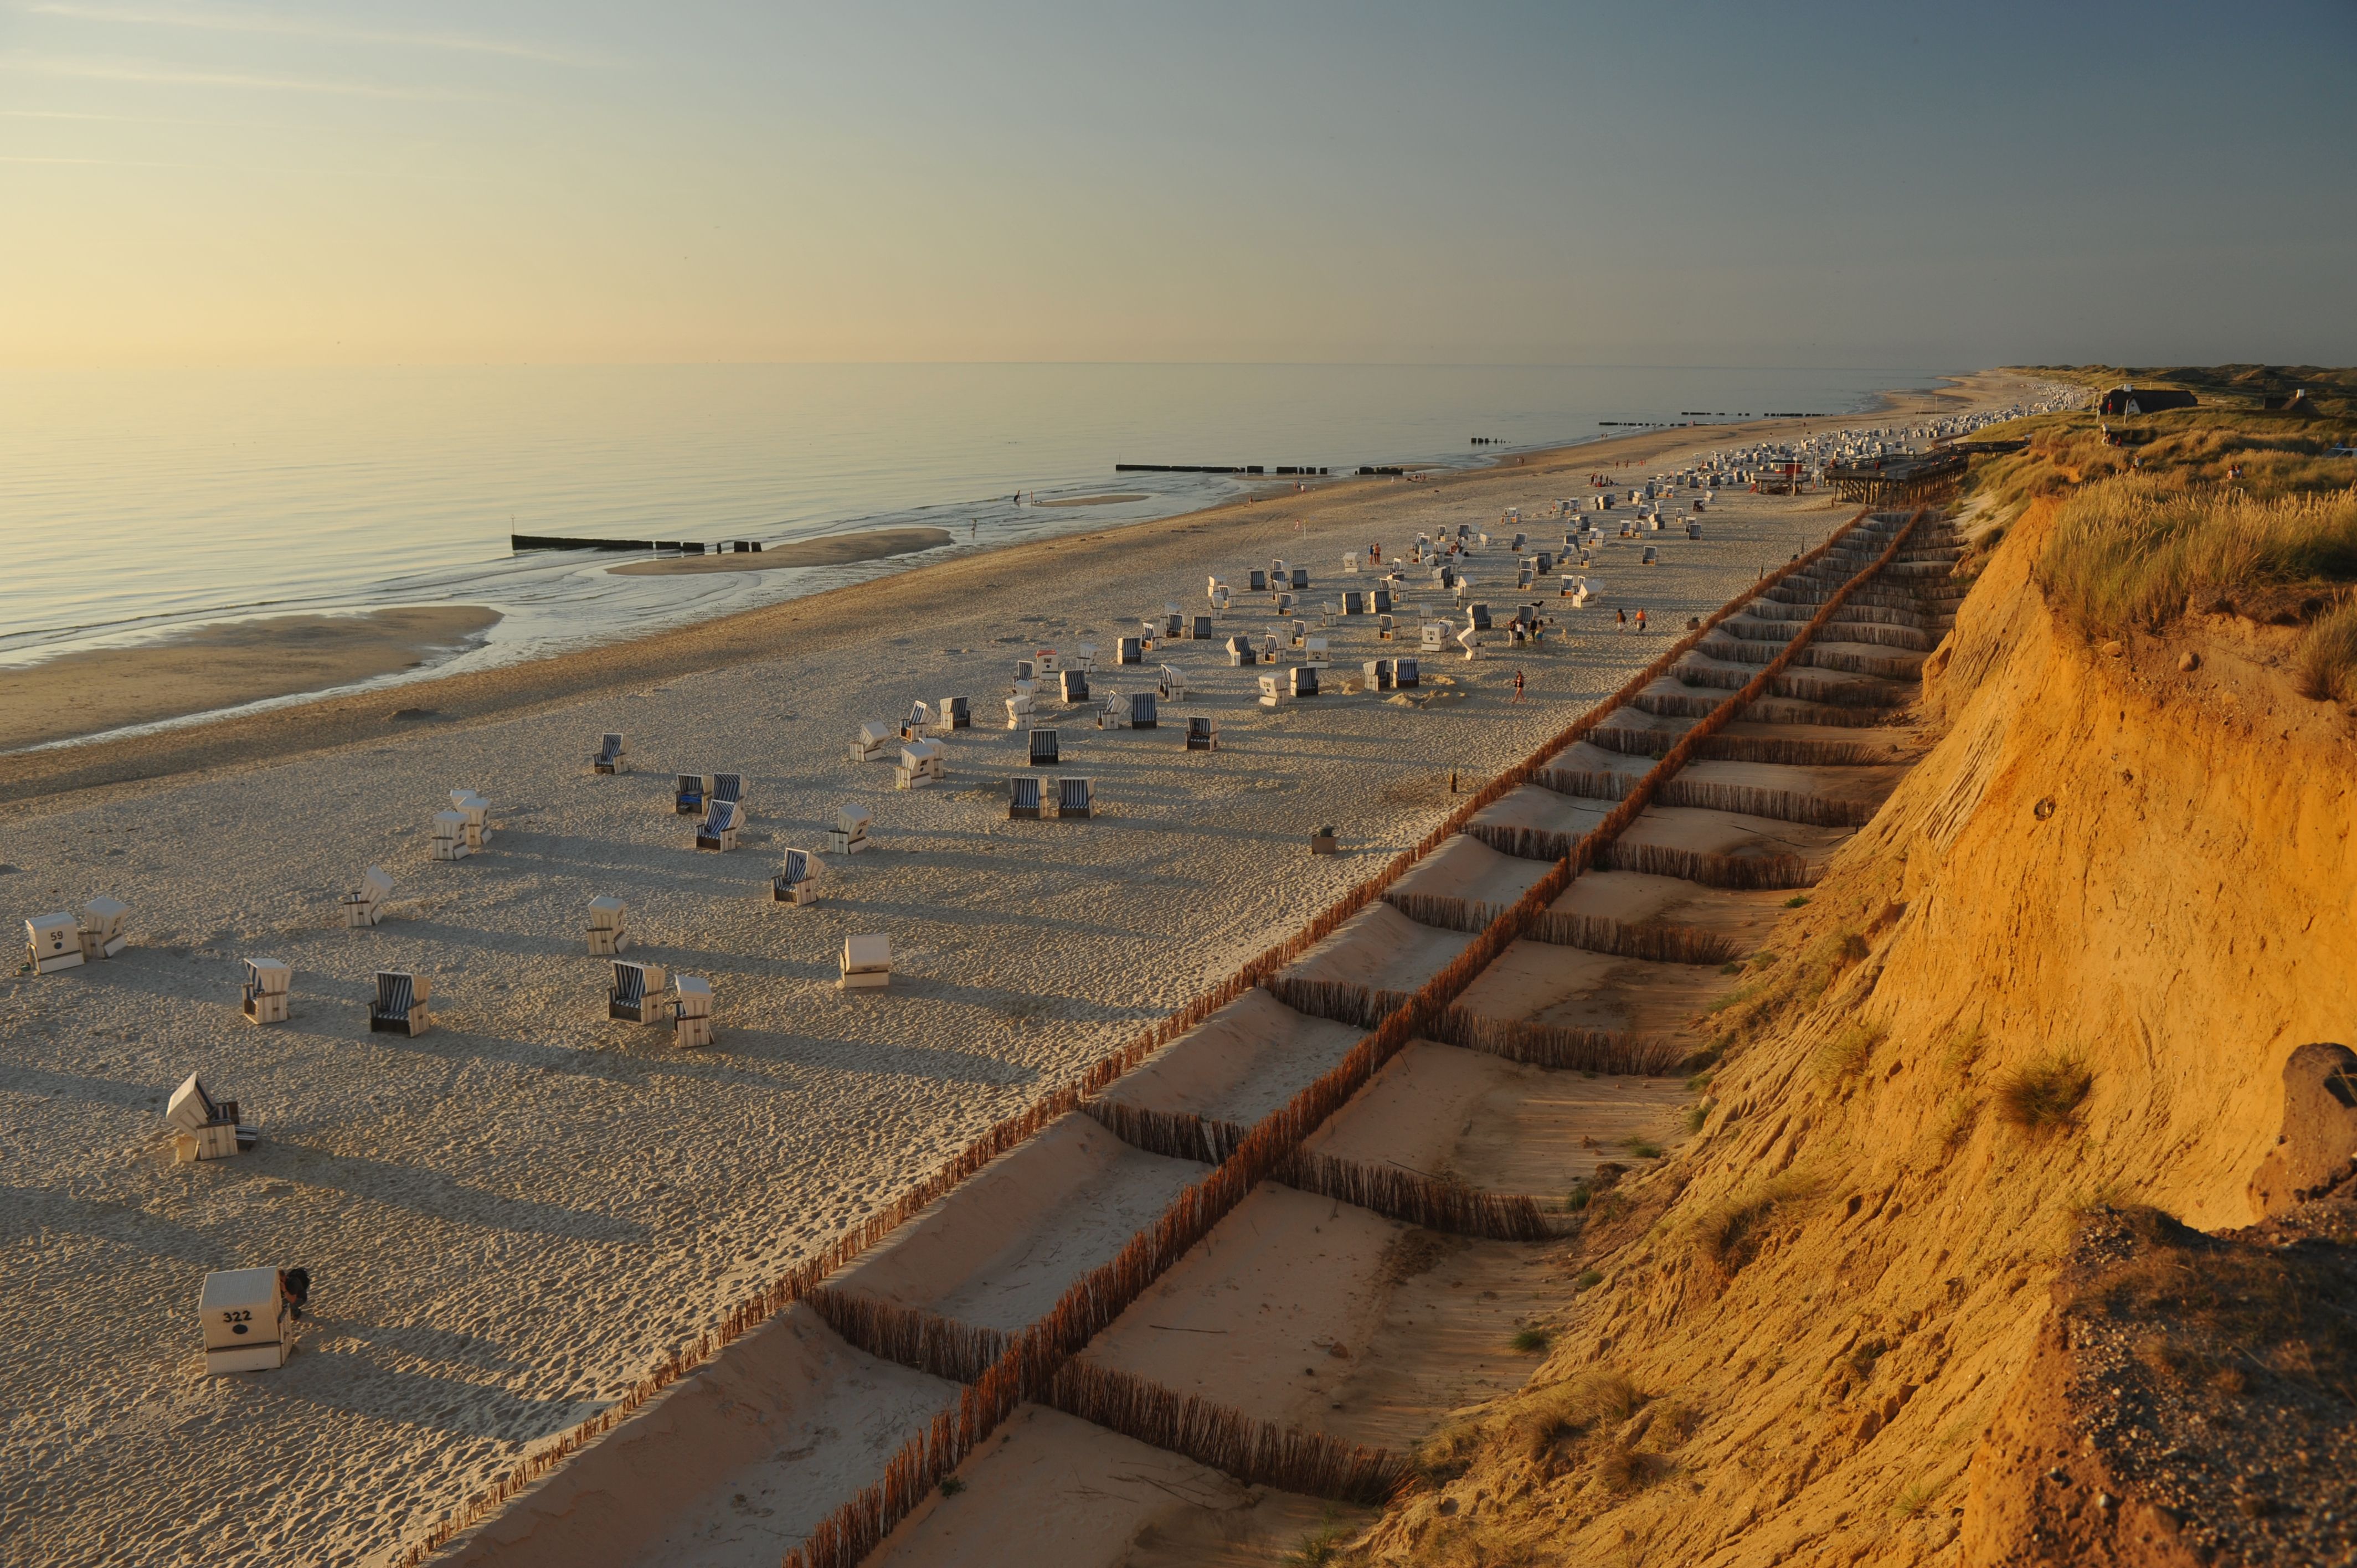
(136,503)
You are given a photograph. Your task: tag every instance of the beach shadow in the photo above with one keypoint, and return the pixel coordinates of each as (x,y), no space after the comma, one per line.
(428,1193)
(355,1384)
(44,1084)
(26,1212)
(432,1344)
(868,1057)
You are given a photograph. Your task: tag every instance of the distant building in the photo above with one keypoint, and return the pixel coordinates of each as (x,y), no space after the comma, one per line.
(2285,402)
(2144,399)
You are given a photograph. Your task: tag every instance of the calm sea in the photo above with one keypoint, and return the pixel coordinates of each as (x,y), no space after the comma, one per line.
(138,503)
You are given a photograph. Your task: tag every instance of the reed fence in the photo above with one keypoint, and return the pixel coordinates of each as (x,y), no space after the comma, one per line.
(1554,1046)
(846,1537)
(1655,941)
(911,1335)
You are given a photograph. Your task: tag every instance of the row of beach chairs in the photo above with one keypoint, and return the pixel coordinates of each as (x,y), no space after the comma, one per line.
(1074,798)
(63,940)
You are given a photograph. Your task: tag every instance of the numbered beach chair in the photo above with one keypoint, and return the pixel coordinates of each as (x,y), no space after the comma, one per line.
(247,1319)
(635,994)
(267,988)
(1272,692)
(1432,636)
(399,1007)
(1075,799)
(204,1128)
(1313,649)
(1202,733)
(867,963)
(796,881)
(1045,747)
(869,743)
(53,943)
(849,834)
(691,1012)
(364,905)
(613,755)
(1023,797)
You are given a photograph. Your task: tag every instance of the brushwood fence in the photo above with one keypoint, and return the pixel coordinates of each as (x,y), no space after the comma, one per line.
(1566,1049)
(911,1335)
(837,1542)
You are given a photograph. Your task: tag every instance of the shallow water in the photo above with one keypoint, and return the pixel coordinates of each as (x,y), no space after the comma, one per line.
(136,503)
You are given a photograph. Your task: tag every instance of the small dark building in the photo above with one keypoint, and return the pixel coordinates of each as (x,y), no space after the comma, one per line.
(2145,400)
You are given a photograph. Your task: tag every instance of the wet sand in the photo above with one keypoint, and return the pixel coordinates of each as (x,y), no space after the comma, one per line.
(225,665)
(1094,500)
(831,550)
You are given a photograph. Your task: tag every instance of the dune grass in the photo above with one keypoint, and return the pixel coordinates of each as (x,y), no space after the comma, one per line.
(2136,552)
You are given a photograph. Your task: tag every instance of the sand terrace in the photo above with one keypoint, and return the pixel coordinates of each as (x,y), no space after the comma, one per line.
(513,1215)
(1441,1109)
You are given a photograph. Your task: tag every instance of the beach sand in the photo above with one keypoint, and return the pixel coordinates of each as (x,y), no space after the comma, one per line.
(224,664)
(514,1215)
(830,550)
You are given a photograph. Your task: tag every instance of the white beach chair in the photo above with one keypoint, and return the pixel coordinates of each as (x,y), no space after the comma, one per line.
(1241,653)
(1202,733)
(607,933)
(1313,649)
(1431,635)
(1272,692)
(1407,674)
(867,963)
(1385,630)
(449,840)
(102,931)
(635,994)
(1113,713)
(1378,672)
(613,755)
(1170,683)
(204,1128)
(920,720)
(953,714)
(869,743)
(849,834)
(688,791)
(1285,604)
(399,1005)
(1019,707)
(1471,641)
(1075,683)
(1174,621)
(1269,644)
(1075,798)
(268,987)
(1303,679)
(363,905)
(53,943)
(1350,561)
(921,766)
(478,812)
(796,881)
(1084,657)
(1025,673)
(691,1012)
(1044,660)
(247,1320)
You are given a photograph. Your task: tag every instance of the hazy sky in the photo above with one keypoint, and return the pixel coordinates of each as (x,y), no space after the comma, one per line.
(1657,183)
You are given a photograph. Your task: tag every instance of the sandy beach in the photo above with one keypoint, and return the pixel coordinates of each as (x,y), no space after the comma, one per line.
(513,1216)
(222,665)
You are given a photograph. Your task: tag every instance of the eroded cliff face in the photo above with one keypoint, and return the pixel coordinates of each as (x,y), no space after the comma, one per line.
(2058,977)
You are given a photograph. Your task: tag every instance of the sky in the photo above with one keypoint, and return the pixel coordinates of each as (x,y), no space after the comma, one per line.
(1583,182)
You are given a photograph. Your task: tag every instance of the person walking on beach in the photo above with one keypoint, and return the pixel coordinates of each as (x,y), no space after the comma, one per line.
(1641,620)
(1518,686)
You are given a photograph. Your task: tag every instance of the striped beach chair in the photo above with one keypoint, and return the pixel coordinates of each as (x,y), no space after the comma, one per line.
(718,832)
(687,793)
(263,998)
(636,993)
(793,885)
(399,1005)
(1045,749)
(1023,797)
(1142,710)
(613,755)
(1202,733)
(1075,798)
